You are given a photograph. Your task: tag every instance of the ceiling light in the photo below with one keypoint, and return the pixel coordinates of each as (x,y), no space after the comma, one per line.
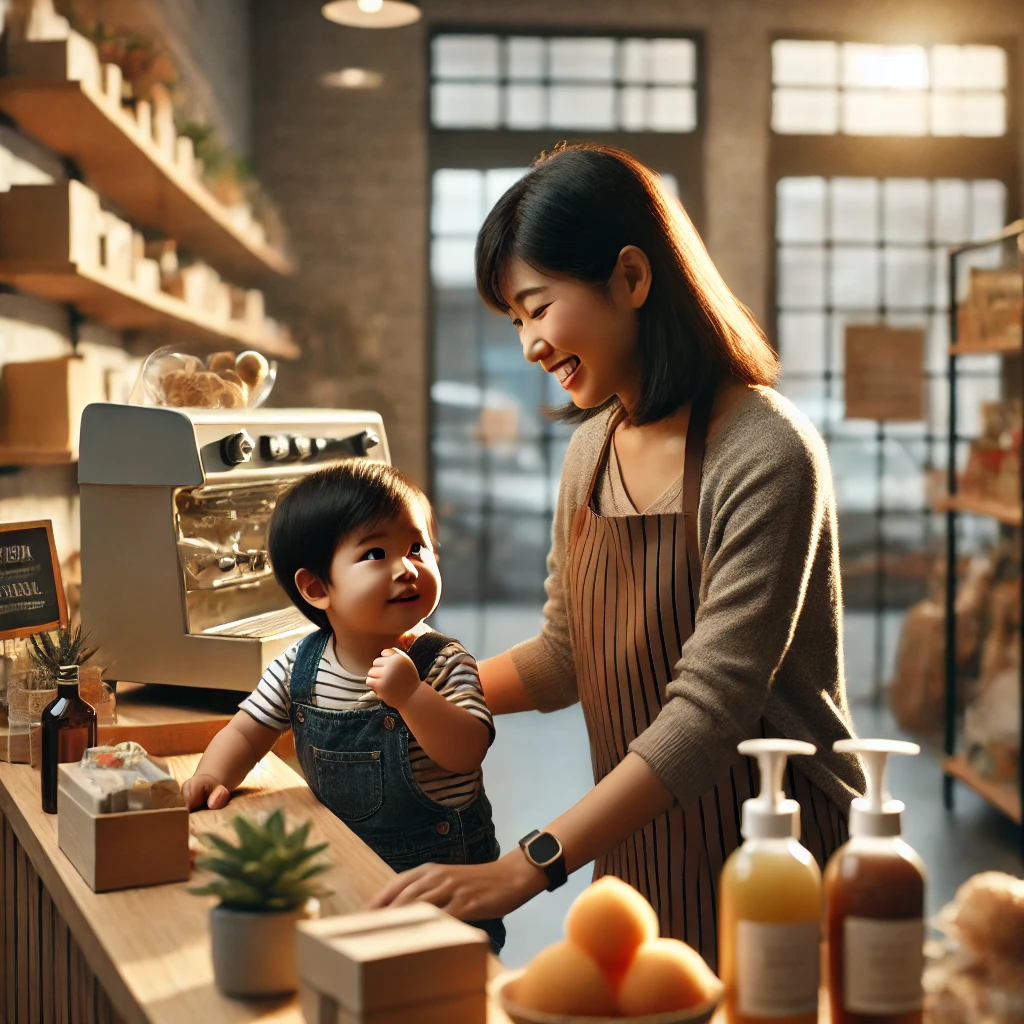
(353,78)
(371,13)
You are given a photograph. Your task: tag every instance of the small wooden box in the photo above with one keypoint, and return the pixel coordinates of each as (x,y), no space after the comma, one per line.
(58,223)
(402,965)
(41,403)
(125,850)
(74,59)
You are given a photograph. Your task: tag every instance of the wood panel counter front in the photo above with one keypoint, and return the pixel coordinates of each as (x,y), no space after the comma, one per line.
(68,954)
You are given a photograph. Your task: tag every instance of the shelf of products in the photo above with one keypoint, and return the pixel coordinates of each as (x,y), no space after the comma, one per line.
(119,303)
(1003,795)
(989,320)
(124,164)
(32,457)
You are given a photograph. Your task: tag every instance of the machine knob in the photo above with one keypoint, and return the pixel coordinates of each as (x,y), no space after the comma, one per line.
(237,448)
(300,447)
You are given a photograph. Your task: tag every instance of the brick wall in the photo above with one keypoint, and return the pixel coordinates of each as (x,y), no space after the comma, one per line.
(350,169)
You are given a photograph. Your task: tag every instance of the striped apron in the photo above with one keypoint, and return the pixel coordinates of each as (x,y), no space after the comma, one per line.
(635,583)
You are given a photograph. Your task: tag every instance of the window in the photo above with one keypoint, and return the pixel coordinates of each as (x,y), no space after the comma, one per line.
(522,83)
(827,88)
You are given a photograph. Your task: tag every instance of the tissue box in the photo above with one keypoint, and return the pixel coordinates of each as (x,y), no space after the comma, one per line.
(402,965)
(121,850)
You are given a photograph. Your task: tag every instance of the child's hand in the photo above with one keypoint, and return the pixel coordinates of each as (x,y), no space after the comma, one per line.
(393,677)
(204,790)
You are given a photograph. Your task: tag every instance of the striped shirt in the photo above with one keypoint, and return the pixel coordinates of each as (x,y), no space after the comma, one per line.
(454,675)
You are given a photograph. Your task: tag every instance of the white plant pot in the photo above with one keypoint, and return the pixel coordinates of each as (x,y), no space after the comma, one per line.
(253,952)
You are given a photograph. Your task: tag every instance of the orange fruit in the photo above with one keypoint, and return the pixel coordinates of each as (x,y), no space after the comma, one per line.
(610,920)
(565,979)
(665,975)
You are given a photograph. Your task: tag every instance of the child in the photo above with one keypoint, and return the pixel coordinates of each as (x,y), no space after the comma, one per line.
(389,719)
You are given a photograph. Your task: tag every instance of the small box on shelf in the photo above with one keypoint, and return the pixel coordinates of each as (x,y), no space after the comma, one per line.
(73,59)
(51,223)
(402,965)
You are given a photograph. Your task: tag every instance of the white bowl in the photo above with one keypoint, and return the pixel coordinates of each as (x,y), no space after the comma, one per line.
(503,987)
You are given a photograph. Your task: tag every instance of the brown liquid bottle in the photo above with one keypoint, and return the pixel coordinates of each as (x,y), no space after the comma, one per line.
(68,729)
(874,905)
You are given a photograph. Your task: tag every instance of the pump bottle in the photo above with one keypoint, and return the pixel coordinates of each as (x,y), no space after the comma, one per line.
(874,904)
(770,904)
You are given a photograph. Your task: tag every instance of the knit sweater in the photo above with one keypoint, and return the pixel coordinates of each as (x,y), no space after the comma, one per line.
(768,640)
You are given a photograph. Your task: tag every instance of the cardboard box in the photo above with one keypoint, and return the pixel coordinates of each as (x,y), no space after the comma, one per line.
(74,59)
(41,403)
(59,223)
(123,850)
(402,965)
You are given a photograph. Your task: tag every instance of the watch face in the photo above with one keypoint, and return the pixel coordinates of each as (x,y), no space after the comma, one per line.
(544,848)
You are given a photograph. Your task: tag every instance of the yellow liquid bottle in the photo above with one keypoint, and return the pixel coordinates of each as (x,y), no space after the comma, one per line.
(770,905)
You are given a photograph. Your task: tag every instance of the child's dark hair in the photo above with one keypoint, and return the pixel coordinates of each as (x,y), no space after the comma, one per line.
(320,511)
(572,215)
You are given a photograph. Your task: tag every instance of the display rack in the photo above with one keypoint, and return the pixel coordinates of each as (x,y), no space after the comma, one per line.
(1005,796)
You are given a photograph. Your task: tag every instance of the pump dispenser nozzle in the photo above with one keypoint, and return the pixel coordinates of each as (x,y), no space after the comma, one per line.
(876,813)
(771,815)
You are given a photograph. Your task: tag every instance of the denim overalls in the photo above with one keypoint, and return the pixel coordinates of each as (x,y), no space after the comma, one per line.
(357,764)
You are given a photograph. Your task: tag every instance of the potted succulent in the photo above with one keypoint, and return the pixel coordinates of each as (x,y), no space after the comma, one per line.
(264,884)
(37,686)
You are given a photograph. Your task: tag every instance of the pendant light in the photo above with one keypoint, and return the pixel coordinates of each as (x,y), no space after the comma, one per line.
(371,13)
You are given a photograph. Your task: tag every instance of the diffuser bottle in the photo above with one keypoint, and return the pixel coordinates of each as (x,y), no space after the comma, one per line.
(68,729)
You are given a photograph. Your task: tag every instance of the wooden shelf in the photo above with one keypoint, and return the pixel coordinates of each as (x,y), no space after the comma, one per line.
(124,166)
(123,306)
(1004,796)
(1011,515)
(34,457)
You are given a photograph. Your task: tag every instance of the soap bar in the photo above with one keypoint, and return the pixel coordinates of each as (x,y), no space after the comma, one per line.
(99,792)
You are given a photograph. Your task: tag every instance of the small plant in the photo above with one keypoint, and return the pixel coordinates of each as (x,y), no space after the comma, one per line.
(49,654)
(269,870)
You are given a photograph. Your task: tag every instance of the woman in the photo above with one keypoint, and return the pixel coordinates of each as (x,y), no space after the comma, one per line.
(693,588)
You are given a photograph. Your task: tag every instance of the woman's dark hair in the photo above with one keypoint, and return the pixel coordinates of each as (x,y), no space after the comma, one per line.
(572,215)
(324,508)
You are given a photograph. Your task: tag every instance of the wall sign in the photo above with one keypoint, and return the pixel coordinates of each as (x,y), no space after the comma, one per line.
(884,373)
(31,590)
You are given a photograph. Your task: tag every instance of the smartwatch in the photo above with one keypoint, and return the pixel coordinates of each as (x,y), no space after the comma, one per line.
(544,851)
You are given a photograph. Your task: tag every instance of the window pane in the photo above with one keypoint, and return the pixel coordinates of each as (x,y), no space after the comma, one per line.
(950,199)
(673,61)
(885,112)
(465,56)
(947,113)
(497,182)
(800,210)
(802,342)
(889,67)
(464,106)
(907,276)
(582,106)
(969,67)
(671,183)
(634,60)
(451,262)
(988,208)
(672,109)
(526,106)
(906,208)
(633,107)
(855,278)
(805,111)
(854,208)
(801,283)
(585,60)
(984,114)
(525,58)
(457,206)
(795,62)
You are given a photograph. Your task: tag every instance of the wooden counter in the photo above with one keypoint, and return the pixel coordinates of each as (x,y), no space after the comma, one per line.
(68,954)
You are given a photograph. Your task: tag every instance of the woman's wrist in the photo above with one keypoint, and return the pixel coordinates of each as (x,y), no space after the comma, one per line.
(527,879)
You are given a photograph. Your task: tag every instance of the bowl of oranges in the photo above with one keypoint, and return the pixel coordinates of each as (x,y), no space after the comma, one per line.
(611,968)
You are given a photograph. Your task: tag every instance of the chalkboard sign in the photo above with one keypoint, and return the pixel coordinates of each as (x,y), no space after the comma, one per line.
(31,591)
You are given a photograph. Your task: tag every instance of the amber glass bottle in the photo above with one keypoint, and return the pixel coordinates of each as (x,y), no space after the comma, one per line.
(874,905)
(68,729)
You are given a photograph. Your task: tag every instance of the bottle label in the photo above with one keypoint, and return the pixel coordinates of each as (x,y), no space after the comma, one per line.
(883,964)
(776,969)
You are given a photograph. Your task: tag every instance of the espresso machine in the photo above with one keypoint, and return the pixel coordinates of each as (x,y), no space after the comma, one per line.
(177,587)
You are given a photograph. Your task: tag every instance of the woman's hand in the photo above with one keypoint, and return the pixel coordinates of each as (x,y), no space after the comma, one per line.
(470,892)
(393,677)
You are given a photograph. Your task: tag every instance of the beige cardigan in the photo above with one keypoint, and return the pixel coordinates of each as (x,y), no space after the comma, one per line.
(769,628)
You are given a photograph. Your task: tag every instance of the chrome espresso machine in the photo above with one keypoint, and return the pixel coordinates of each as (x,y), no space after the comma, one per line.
(177,587)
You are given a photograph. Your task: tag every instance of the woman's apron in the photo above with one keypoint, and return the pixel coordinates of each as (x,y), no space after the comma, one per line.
(635,584)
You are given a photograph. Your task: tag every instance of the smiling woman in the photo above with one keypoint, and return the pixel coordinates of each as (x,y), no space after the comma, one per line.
(693,594)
